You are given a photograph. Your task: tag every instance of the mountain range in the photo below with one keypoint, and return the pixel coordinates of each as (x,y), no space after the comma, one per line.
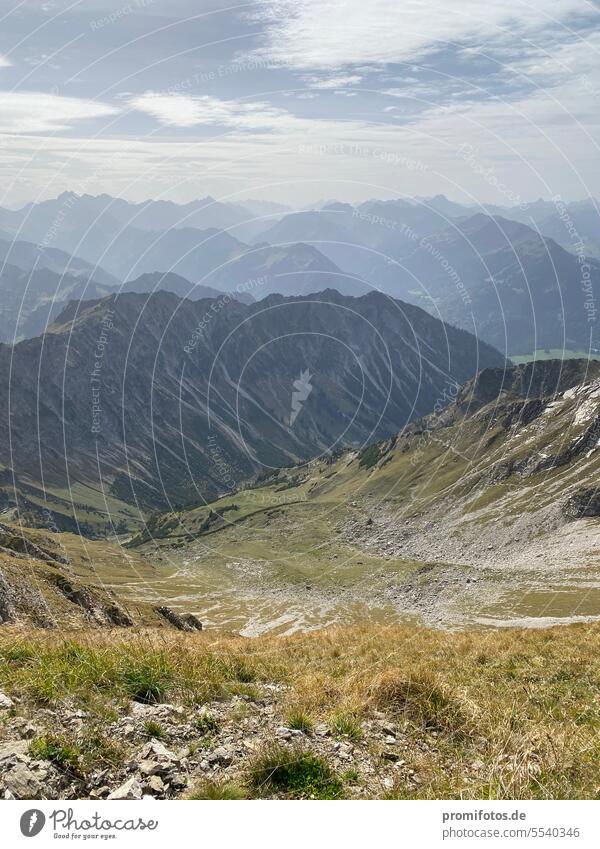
(520,278)
(134,402)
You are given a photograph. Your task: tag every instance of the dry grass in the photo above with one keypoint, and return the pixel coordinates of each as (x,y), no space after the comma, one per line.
(485,714)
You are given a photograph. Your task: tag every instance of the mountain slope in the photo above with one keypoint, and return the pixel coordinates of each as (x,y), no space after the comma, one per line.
(500,279)
(485,511)
(30,299)
(157,400)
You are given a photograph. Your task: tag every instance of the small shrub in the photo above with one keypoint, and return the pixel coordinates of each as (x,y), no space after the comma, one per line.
(98,751)
(369,456)
(242,671)
(154,729)
(351,776)
(206,722)
(18,655)
(58,751)
(246,691)
(295,773)
(422,701)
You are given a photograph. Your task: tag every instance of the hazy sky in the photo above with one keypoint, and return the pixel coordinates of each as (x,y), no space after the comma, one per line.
(300,100)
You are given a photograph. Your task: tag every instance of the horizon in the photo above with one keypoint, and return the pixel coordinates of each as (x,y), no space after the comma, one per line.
(317,205)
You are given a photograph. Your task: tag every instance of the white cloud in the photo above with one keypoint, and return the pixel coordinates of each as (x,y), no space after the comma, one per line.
(309,34)
(335,82)
(36,112)
(4,62)
(182,110)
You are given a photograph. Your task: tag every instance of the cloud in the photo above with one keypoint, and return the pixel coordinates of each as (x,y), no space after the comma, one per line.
(183,110)
(36,112)
(335,82)
(4,62)
(334,34)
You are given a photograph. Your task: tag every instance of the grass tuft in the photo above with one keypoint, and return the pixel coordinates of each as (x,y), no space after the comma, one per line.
(294,773)
(213,790)
(154,729)
(299,720)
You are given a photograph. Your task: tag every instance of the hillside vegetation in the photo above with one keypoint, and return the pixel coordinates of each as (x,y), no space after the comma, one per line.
(383,712)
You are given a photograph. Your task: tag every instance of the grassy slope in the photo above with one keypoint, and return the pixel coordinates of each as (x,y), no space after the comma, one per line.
(31,584)
(511,714)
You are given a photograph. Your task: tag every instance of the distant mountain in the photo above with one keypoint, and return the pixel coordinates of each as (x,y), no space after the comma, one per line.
(158,281)
(153,401)
(27,256)
(30,299)
(107,233)
(294,269)
(69,208)
(500,279)
(369,240)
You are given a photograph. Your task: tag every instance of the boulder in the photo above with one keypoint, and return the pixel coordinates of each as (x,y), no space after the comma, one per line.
(5,701)
(21,783)
(132,789)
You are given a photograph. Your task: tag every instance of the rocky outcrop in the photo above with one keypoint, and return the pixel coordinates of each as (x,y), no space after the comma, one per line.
(585,503)
(181,621)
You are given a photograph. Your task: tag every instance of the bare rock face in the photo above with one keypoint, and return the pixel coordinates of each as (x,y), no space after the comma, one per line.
(583,504)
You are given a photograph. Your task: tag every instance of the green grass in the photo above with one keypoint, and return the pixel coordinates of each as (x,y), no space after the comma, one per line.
(294,773)
(212,790)
(60,752)
(154,729)
(148,681)
(346,724)
(206,722)
(299,720)
(523,704)
(554,354)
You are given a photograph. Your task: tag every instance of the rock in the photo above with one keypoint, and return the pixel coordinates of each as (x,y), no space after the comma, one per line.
(220,755)
(152,767)
(283,732)
(5,701)
(156,784)
(178,780)
(21,782)
(582,504)
(155,751)
(17,750)
(99,792)
(187,622)
(132,789)
(390,755)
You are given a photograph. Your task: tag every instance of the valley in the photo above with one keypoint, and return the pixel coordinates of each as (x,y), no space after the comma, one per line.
(484,514)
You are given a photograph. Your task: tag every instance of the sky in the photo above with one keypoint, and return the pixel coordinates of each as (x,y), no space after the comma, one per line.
(300,101)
